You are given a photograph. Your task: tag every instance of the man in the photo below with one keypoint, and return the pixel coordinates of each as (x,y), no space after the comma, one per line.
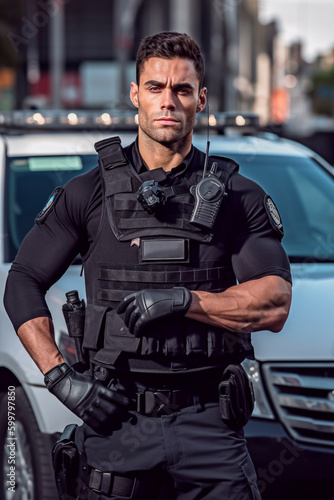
(165,315)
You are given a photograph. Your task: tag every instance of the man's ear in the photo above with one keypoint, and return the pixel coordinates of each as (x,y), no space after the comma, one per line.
(134,94)
(201,100)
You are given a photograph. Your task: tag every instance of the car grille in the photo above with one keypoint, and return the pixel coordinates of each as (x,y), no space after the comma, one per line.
(303,396)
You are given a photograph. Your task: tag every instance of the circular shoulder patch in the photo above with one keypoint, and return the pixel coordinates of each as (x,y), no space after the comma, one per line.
(52,200)
(274,216)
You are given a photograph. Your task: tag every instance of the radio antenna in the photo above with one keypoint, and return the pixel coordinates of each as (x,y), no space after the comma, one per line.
(207,143)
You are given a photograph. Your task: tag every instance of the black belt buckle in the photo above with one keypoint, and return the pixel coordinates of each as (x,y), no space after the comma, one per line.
(110,484)
(156,403)
(99,481)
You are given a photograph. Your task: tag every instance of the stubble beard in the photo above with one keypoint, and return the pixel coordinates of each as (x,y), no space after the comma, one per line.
(166,135)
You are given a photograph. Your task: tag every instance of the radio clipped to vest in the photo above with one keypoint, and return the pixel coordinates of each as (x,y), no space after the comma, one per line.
(208,195)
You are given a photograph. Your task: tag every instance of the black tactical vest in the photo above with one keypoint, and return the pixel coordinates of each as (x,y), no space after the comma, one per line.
(135,249)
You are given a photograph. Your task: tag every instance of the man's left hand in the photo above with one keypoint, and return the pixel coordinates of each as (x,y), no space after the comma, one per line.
(145,306)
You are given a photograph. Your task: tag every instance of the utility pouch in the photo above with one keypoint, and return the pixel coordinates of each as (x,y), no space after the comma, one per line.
(65,459)
(236,397)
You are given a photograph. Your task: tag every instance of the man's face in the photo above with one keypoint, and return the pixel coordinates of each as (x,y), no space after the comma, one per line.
(167,98)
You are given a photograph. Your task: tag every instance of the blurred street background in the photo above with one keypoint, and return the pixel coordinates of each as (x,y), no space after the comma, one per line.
(271,57)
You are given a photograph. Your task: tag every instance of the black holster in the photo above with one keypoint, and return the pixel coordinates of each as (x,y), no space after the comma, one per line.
(236,397)
(68,465)
(74,314)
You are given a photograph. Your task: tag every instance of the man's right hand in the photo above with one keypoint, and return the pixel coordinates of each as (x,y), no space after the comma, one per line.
(87,398)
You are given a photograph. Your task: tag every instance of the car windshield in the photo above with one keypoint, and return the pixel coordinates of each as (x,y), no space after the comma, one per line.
(302,190)
(304,194)
(29,183)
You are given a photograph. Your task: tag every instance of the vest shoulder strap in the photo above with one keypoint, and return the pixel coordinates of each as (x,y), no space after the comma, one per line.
(111,153)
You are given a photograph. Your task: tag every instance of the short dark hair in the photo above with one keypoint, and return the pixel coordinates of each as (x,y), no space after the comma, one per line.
(167,45)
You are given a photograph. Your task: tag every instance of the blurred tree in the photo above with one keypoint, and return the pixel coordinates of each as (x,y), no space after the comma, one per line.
(322,91)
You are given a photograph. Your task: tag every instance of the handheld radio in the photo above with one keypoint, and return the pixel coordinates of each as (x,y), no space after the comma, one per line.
(208,194)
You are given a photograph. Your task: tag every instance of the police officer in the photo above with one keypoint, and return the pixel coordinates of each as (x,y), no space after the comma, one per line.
(179,272)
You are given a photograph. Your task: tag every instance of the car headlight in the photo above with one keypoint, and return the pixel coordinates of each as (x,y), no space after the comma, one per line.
(262,408)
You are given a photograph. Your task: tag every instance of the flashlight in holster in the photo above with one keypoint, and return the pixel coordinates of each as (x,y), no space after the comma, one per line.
(74,314)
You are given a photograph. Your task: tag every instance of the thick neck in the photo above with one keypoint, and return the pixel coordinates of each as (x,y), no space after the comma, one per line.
(157,155)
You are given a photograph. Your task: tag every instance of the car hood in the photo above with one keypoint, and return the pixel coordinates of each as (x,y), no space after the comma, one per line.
(308,334)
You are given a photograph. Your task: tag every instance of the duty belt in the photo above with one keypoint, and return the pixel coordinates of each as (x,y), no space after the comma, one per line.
(164,402)
(157,401)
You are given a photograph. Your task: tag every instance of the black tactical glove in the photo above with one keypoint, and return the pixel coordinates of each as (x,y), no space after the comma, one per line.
(87,398)
(149,305)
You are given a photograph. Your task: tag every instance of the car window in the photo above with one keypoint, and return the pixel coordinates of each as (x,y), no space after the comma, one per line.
(29,183)
(304,194)
(300,187)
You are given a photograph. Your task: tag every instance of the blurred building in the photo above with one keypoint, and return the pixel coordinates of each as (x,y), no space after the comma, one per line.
(10,59)
(78,53)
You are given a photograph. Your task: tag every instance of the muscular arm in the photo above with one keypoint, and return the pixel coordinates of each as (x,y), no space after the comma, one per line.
(37,337)
(261,300)
(261,304)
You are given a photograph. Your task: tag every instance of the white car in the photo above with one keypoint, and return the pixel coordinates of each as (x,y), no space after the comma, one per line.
(291,433)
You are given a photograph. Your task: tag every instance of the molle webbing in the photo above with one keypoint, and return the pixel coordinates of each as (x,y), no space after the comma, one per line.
(128,203)
(115,284)
(181,276)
